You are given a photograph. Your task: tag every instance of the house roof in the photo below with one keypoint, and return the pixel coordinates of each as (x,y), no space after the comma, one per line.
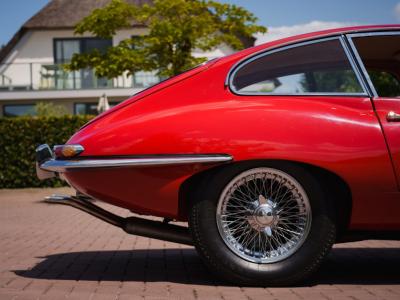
(58,14)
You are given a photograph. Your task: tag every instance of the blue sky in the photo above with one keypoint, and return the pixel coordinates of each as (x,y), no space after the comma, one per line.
(292,12)
(272,13)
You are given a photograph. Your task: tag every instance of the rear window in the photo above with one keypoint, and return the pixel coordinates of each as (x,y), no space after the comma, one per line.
(316,67)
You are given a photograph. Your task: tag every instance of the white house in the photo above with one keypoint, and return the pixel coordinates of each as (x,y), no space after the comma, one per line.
(30,64)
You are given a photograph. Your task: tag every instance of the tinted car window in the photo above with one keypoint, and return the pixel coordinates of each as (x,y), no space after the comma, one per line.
(320,67)
(386,84)
(381,57)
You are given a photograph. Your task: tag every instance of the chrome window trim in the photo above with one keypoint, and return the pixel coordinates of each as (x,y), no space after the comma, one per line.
(353,63)
(236,67)
(373,33)
(55,165)
(349,38)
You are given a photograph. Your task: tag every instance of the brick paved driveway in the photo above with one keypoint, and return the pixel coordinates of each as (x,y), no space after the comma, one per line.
(57,252)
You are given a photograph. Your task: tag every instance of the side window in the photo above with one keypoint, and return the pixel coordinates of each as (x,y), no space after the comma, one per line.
(381,57)
(386,84)
(320,67)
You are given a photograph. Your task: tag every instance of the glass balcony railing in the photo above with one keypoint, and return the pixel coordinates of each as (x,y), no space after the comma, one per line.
(42,76)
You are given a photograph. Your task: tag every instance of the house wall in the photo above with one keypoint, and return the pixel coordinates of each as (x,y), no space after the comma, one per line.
(26,65)
(36,49)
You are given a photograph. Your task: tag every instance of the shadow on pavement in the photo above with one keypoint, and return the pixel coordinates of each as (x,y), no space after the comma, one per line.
(343,266)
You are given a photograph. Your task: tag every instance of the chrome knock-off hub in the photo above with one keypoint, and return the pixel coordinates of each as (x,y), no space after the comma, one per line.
(264,217)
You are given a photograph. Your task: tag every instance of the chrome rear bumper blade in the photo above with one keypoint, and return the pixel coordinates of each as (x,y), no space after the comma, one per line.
(56,165)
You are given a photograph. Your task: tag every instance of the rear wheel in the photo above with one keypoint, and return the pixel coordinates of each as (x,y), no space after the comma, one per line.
(268,224)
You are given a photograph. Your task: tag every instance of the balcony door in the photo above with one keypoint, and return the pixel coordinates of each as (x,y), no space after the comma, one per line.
(64,49)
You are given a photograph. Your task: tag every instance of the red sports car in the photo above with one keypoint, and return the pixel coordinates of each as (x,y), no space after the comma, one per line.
(271,154)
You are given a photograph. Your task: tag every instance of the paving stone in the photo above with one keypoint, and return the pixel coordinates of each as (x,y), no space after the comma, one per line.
(57,252)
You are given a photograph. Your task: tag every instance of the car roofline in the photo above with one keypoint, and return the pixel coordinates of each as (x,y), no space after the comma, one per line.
(331,32)
(307,37)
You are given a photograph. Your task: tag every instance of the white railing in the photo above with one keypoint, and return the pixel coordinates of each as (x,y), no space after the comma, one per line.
(42,76)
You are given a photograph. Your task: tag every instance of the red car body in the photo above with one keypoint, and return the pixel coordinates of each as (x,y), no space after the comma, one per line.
(271,154)
(197,113)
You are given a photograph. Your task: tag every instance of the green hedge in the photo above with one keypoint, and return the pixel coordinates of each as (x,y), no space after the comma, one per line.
(19,138)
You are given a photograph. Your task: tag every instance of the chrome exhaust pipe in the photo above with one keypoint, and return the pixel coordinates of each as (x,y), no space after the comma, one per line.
(132,225)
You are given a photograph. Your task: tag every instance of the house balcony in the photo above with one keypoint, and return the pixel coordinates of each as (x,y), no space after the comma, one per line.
(42,80)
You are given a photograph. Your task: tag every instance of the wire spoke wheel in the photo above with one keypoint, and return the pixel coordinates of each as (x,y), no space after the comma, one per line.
(264,215)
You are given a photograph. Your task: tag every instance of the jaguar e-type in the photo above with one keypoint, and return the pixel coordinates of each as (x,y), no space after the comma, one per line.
(271,155)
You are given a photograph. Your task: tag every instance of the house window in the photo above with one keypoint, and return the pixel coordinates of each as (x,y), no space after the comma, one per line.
(85,108)
(64,49)
(89,108)
(18,110)
(145,79)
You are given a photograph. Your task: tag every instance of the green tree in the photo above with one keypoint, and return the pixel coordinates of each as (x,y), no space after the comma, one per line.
(329,81)
(174,29)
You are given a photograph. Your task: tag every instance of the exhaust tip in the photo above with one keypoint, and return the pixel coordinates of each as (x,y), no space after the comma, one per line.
(132,225)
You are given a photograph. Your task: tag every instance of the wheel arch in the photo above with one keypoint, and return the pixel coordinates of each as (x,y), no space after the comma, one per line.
(335,187)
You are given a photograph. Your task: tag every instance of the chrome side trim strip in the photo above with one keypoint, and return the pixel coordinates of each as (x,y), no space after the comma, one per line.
(58,166)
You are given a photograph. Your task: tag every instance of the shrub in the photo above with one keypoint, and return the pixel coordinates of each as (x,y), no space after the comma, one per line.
(19,138)
(48,109)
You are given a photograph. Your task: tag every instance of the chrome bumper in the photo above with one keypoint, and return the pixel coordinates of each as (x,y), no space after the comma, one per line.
(43,155)
(47,166)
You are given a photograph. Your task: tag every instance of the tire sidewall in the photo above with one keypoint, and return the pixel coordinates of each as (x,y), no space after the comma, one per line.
(230,266)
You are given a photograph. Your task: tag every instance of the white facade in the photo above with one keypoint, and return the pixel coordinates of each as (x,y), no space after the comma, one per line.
(28,74)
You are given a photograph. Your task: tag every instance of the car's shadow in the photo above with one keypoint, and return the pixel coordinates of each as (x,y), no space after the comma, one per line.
(343,266)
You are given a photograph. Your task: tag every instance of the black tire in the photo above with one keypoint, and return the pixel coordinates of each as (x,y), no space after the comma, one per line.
(231,267)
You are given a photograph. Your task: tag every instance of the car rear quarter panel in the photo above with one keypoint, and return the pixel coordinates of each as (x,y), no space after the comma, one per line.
(201,116)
